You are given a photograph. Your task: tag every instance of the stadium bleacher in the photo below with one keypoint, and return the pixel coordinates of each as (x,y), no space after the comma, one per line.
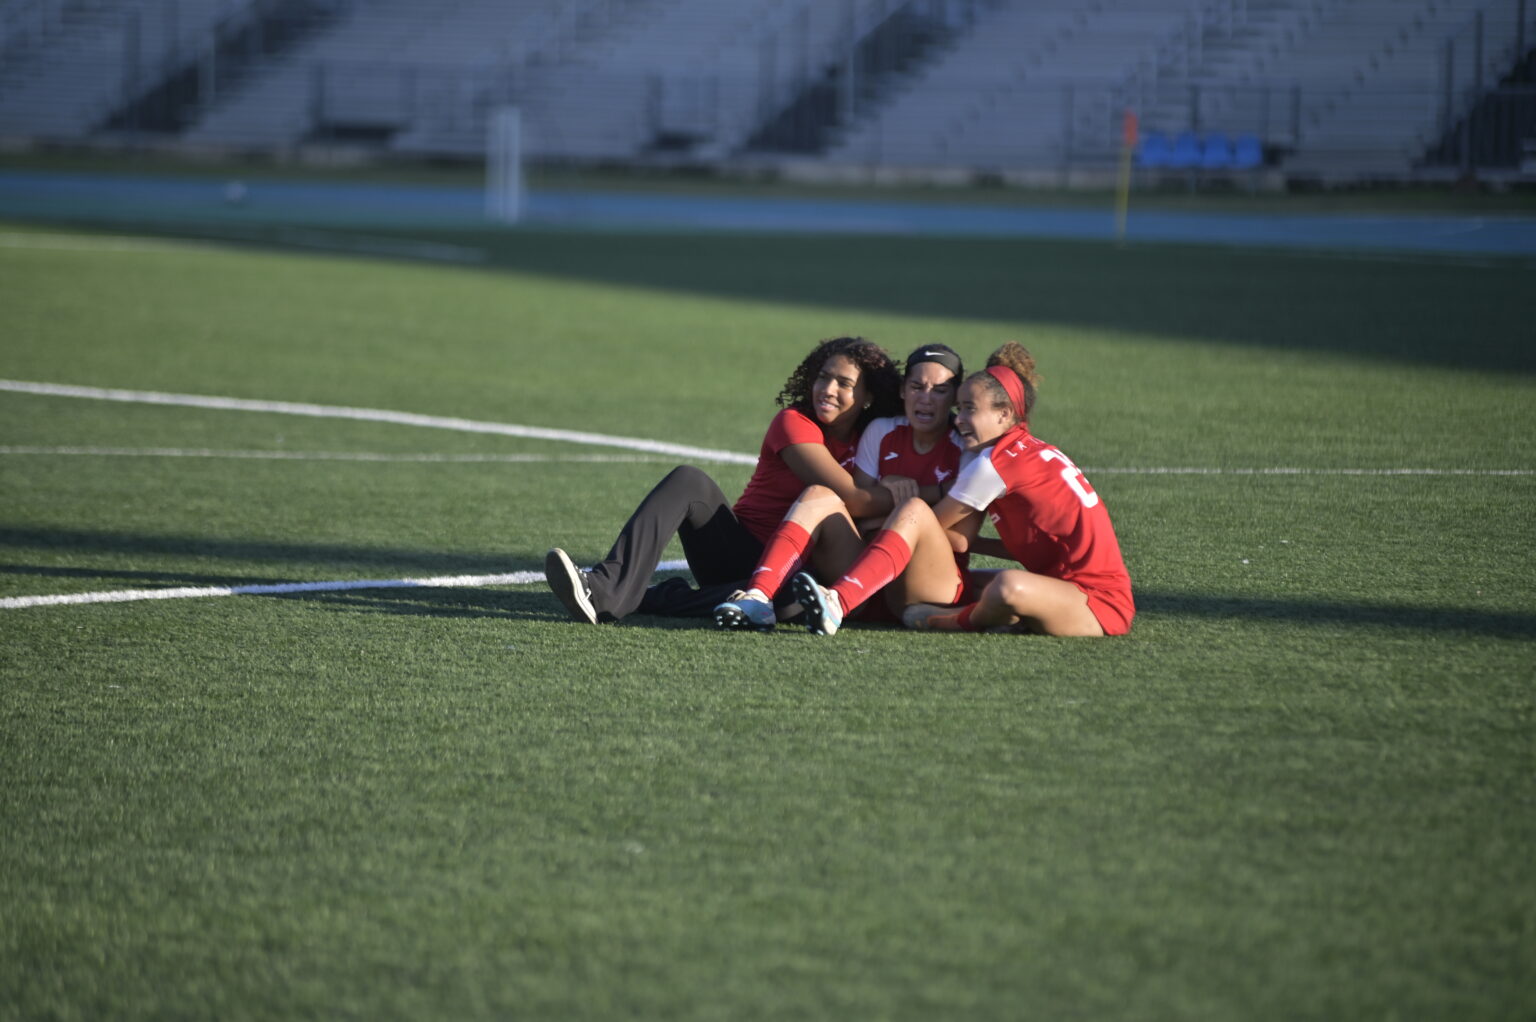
(1326,88)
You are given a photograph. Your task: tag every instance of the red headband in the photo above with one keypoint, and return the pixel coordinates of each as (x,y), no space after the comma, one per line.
(1014,388)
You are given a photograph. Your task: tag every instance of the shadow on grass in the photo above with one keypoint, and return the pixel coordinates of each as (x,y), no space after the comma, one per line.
(1436,313)
(391,560)
(541,605)
(497,602)
(1400,308)
(135,576)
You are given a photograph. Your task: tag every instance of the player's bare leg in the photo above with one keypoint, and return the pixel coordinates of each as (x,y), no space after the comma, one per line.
(1016,600)
(931,576)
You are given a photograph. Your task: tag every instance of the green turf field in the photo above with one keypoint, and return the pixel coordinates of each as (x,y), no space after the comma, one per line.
(1304,786)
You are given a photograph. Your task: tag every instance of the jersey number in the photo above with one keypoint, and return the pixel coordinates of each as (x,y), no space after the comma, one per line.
(1073,477)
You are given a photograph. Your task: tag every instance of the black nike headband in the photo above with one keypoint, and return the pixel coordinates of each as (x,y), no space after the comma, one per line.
(939,354)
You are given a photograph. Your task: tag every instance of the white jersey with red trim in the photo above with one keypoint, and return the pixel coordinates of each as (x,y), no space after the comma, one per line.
(886,449)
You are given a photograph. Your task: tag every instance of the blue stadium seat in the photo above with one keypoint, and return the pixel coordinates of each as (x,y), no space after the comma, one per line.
(1153,151)
(1186,150)
(1216,152)
(1247,152)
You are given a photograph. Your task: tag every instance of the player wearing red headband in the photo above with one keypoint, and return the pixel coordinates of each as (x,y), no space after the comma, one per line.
(1073,580)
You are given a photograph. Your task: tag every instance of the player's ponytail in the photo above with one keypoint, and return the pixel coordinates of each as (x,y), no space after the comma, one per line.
(1015,357)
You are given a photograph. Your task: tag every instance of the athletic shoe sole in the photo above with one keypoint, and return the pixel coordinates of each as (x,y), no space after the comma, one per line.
(570,589)
(731,618)
(819,618)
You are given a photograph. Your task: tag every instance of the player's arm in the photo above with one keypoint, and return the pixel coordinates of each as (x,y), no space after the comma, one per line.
(962,523)
(814,465)
(930,493)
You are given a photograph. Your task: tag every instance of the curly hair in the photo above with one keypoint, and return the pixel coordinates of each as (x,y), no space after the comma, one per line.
(876,368)
(1015,356)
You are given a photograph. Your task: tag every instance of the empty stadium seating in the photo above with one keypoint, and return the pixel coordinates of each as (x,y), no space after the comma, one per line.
(65,68)
(1328,87)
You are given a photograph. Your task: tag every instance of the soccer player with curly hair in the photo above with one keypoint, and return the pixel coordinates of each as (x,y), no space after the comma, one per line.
(827,401)
(915,454)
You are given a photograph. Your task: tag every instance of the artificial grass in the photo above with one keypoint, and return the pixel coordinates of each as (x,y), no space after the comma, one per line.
(1295,789)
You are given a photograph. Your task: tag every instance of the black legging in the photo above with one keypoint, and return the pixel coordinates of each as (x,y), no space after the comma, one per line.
(721,552)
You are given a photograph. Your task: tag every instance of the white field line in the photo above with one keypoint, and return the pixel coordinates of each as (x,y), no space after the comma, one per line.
(278,589)
(443,458)
(1161,471)
(376,415)
(200,452)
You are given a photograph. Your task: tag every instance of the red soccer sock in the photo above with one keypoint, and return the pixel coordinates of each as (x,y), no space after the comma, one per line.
(880,562)
(963,619)
(784,550)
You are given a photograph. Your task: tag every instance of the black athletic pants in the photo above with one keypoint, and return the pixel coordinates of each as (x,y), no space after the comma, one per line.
(721,552)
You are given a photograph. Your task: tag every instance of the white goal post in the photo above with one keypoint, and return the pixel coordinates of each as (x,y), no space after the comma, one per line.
(504,165)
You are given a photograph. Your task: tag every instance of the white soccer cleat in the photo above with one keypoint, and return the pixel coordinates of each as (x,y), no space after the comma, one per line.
(745,610)
(823,610)
(569,584)
(923,617)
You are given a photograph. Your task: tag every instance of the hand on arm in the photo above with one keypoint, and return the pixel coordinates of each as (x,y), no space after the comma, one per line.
(901,488)
(814,465)
(962,523)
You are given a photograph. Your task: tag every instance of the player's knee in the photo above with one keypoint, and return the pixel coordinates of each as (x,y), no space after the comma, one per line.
(819,498)
(1013,589)
(688,479)
(909,514)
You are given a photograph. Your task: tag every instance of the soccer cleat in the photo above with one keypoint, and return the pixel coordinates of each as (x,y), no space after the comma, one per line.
(823,610)
(744,611)
(931,617)
(569,584)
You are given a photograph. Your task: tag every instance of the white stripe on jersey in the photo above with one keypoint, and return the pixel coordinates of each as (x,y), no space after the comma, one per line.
(868,458)
(979,483)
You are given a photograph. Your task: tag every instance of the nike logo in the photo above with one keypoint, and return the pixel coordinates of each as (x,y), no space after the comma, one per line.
(941,474)
(888,457)
(929,354)
(854,581)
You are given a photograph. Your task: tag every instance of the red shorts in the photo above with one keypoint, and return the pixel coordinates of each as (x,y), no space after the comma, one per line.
(1113,608)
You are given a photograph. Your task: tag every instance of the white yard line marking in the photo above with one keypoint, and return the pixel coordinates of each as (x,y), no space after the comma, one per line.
(375,415)
(1157,471)
(198,452)
(203,592)
(603,459)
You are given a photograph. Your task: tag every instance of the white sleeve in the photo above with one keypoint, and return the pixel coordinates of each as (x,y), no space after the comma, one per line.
(868,458)
(978,484)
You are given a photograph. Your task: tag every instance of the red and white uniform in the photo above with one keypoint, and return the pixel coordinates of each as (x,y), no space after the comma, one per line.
(1051,521)
(886,449)
(774,485)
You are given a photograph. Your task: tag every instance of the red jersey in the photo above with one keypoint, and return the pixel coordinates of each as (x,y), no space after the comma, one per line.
(1051,521)
(774,485)
(886,449)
